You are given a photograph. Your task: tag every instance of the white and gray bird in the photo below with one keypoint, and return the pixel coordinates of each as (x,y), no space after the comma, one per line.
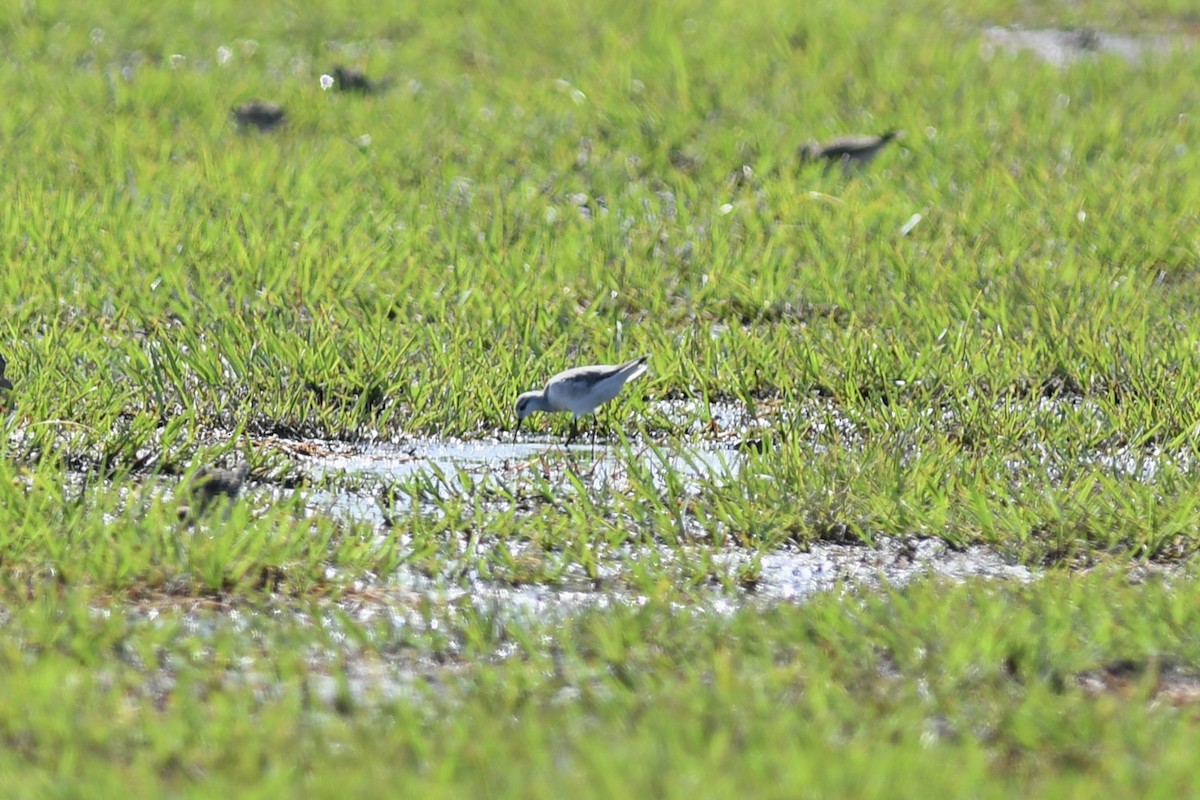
(580,391)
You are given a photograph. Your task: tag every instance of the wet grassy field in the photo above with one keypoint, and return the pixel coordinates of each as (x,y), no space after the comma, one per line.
(907,502)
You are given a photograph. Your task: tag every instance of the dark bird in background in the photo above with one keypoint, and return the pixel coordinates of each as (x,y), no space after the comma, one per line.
(849,151)
(5,383)
(684,161)
(259,113)
(353,79)
(210,485)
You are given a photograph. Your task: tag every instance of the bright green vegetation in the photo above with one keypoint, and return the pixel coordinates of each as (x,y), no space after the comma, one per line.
(549,184)
(1062,687)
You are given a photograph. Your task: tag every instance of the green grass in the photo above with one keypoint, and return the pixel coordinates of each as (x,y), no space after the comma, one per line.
(1018,370)
(870,695)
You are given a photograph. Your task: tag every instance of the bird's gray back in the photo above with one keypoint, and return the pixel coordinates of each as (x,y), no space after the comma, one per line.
(581,389)
(582,377)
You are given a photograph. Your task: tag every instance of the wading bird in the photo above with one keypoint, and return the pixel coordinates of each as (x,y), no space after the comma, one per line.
(581,391)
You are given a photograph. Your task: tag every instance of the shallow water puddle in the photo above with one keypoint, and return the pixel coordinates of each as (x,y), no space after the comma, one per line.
(720,435)
(492,462)
(780,576)
(799,575)
(1064,47)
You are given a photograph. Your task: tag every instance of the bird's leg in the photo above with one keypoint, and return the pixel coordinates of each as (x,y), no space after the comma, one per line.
(574,430)
(608,426)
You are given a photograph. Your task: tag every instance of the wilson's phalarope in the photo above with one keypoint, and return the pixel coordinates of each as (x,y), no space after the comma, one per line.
(581,391)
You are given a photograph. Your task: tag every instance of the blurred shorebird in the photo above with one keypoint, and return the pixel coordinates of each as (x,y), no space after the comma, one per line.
(849,151)
(353,79)
(210,485)
(683,161)
(260,114)
(581,391)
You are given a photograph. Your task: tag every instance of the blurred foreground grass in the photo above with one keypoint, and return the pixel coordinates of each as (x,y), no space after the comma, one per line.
(1069,686)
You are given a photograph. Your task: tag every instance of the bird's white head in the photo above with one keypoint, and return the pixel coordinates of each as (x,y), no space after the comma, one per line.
(528,403)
